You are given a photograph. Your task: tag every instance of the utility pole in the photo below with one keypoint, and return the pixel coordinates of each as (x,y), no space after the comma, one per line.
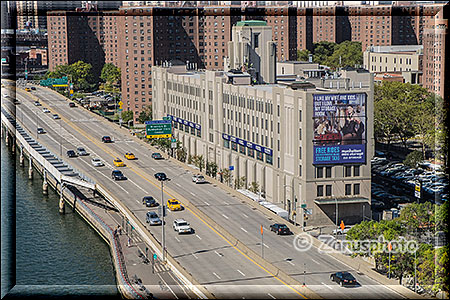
(163,224)
(60,138)
(337,215)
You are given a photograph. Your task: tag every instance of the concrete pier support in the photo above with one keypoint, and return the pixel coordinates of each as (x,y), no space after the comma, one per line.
(45,184)
(30,169)
(21,158)
(13,145)
(7,138)
(62,204)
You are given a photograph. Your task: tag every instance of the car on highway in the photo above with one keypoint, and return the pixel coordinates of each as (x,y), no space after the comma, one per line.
(72,104)
(152,218)
(161,176)
(280,229)
(37,103)
(97,162)
(33,88)
(130,156)
(343,278)
(157,155)
(106,139)
(118,162)
(117,175)
(149,201)
(81,151)
(56,116)
(198,178)
(182,226)
(45,110)
(27,90)
(71,153)
(340,231)
(173,205)
(40,130)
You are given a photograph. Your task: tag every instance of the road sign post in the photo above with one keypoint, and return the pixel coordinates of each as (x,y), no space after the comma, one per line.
(262,242)
(158,129)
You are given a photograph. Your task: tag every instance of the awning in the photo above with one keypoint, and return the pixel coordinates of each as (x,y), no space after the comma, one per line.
(341,200)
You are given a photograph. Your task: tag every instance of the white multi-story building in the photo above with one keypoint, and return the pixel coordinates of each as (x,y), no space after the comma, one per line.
(306,145)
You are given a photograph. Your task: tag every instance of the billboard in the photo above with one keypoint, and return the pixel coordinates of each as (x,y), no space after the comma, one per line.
(339,128)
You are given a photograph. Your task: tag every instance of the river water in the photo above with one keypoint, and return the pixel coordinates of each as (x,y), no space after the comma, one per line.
(55,254)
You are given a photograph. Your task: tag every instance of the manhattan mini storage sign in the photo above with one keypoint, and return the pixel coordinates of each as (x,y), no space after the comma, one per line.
(339,128)
(158,129)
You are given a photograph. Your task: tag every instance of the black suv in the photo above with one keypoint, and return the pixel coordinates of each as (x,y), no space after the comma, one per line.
(280,229)
(71,153)
(117,175)
(106,139)
(160,176)
(149,201)
(343,278)
(157,155)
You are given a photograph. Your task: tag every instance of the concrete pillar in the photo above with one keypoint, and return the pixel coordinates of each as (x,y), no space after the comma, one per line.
(45,184)
(21,158)
(7,138)
(62,204)
(30,169)
(13,145)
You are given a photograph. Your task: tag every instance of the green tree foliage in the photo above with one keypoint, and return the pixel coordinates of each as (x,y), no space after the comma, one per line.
(145,115)
(181,154)
(413,159)
(127,116)
(226,175)
(254,187)
(345,54)
(111,76)
(79,73)
(322,50)
(303,55)
(211,169)
(240,182)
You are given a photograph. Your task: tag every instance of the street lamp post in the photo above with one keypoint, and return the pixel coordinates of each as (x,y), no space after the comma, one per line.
(163,224)
(60,138)
(337,215)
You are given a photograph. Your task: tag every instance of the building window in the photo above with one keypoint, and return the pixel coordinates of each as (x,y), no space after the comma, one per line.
(328,172)
(347,171)
(356,187)
(348,189)
(320,191)
(319,172)
(356,171)
(328,190)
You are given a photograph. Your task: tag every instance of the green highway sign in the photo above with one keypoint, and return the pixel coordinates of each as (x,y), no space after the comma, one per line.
(303,205)
(158,129)
(57,82)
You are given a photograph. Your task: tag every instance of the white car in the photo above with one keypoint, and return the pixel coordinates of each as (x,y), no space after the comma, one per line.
(81,151)
(198,178)
(56,116)
(181,226)
(96,162)
(46,110)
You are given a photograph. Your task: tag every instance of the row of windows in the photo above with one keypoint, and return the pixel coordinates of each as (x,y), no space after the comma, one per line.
(329,190)
(248,151)
(347,171)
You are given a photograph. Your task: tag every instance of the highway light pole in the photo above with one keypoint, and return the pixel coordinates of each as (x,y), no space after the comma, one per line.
(163,224)
(337,214)
(60,138)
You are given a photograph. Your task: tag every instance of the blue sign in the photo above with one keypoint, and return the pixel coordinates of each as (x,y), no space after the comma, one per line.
(231,168)
(158,122)
(155,256)
(225,136)
(341,154)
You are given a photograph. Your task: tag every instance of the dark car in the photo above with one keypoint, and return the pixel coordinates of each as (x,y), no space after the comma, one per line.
(157,155)
(33,88)
(149,201)
(343,278)
(117,175)
(72,104)
(106,139)
(40,130)
(280,229)
(71,153)
(160,176)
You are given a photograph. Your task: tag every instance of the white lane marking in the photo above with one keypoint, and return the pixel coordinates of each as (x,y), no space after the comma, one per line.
(138,187)
(178,240)
(198,236)
(241,272)
(206,203)
(244,229)
(315,261)
(177,184)
(152,168)
(193,254)
(225,216)
(216,275)
(288,244)
(271,296)
(326,285)
(245,215)
(168,286)
(290,262)
(192,194)
(217,253)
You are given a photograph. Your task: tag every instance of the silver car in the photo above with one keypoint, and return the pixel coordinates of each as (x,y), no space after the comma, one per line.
(96,162)
(81,151)
(153,219)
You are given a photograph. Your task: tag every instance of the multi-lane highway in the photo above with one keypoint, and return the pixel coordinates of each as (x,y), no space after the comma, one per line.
(209,256)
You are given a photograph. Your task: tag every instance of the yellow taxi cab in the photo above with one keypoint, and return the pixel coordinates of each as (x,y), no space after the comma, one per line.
(27,90)
(130,156)
(118,162)
(173,204)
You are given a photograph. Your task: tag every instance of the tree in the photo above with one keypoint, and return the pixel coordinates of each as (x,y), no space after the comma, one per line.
(322,50)
(127,116)
(110,73)
(78,73)
(211,169)
(345,54)
(145,115)
(226,175)
(181,154)
(254,187)
(240,182)
(303,55)
(413,159)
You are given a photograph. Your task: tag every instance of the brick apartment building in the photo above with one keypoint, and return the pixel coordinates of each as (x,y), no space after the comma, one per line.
(135,38)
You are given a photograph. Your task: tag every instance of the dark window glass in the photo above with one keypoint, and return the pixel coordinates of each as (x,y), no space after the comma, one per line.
(319,190)
(328,172)
(356,171)
(356,189)
(319,172)
(348,189)
(347,171)
(328,190)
